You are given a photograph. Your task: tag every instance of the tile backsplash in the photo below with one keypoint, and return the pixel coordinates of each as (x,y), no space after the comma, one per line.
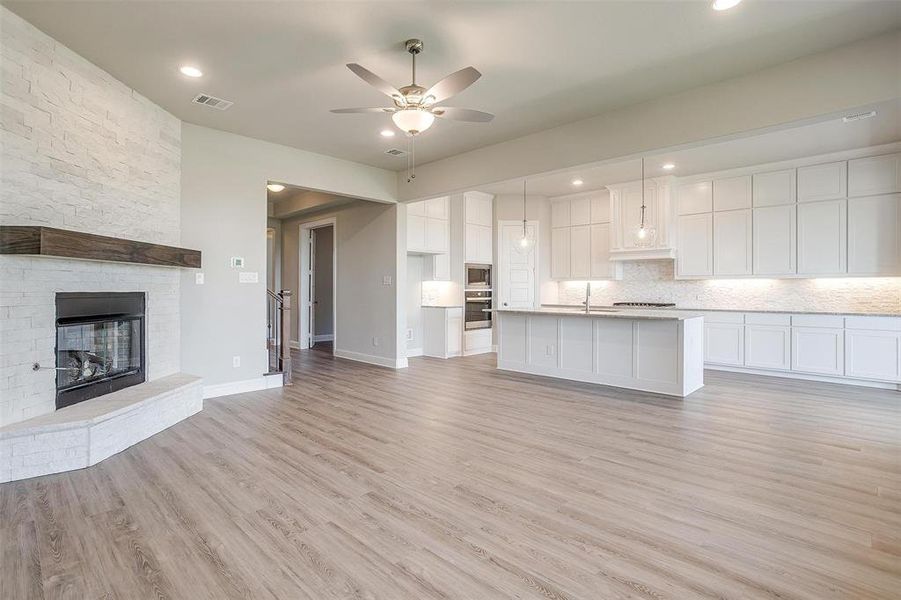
(654,281)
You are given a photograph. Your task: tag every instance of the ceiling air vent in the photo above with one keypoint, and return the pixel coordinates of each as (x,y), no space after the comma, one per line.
(395,152)
(212,101)
(858,116)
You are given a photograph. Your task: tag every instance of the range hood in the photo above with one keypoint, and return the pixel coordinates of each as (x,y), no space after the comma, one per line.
(642,254)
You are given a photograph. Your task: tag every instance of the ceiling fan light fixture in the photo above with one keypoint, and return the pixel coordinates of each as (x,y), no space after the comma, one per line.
(275,187)
(724,4)
(413,121)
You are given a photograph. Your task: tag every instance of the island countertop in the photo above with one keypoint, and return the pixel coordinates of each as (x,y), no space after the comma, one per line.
(613,313)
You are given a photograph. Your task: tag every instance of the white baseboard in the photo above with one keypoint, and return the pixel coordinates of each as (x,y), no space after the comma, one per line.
(791,375)
(294,345)
(412,352)
(325,337)
(264,382)
(391,363)
(480,351)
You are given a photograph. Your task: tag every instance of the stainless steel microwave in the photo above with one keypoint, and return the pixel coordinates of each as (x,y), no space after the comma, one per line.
(478,276)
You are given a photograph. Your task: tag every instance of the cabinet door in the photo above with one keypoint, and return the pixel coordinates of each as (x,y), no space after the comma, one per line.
(478,209)
(774,240)
(580,211)
(560,213)
(693,198)
(724,344)
(560,247)
(873,354)
(823,182)
(774,188)
(416,209)
(436,235)
(818,350)
(732,242)
(822,237)
(436,208)
(471,242)
(874,175)
(732,193)
(601,265)
(874,235)
(600,207)
(441,267)
(695,253)
(768,347)
(485,244)
(415,233)
(454,333)
(580,252)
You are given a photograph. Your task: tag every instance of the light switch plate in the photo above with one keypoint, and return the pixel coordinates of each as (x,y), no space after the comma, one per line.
(386,280)
(198,278)
(248,277)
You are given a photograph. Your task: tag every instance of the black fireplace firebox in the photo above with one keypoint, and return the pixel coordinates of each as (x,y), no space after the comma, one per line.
(100,338)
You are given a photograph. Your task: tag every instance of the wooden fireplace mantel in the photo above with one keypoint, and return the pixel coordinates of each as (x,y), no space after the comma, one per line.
(49,241)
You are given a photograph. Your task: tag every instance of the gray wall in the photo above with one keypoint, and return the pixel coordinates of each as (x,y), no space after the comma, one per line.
(323,273)
(414,301)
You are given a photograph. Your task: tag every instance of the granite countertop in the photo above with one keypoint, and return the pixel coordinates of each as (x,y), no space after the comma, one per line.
(441,306)
(605,312)
(745,310)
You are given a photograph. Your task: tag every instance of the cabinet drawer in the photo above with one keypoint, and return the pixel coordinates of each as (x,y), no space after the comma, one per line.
(768,319)
(874,323)
(724,317)
(835,321)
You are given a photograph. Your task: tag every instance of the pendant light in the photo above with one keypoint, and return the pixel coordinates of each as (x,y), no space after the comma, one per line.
(645,233)
(524,242)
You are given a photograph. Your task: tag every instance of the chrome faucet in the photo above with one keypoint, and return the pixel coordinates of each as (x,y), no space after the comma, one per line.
(587,297)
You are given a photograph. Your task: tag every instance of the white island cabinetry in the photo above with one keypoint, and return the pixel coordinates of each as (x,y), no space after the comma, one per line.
(652,351)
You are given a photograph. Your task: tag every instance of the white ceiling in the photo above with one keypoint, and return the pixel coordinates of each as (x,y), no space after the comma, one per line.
(543,63)
(794,142)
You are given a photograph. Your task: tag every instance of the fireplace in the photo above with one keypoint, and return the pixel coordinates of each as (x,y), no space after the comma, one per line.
(99,344)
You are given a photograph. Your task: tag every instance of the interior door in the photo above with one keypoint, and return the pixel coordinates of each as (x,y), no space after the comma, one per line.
(517,266)
(311,305)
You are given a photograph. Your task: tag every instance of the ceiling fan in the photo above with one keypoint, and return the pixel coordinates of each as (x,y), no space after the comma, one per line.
(415,107)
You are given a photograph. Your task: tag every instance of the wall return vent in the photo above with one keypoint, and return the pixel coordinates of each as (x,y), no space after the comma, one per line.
(211,101)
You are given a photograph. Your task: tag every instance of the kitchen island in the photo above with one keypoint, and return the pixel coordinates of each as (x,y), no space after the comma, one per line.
(650,350)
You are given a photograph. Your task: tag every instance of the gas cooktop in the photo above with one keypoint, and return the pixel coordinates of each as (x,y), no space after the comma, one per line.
(646,304)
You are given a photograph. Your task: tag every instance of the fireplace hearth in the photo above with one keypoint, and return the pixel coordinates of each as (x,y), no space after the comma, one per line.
(99,344)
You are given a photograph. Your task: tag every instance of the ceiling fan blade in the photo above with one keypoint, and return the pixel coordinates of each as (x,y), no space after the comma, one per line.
(462,114)
(363,110)
(375,81)
(451,85)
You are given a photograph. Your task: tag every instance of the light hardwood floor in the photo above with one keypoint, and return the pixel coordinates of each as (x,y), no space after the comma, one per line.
(452,480)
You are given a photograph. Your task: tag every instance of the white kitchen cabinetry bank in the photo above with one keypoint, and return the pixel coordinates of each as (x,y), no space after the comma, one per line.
(828,219)
(442,331)
(663,355)
(428,233)
(580,237)
(844,349)
(478,216)
(625,210)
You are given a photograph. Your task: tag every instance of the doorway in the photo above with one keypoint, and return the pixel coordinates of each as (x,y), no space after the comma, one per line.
(318,284)
(517,273)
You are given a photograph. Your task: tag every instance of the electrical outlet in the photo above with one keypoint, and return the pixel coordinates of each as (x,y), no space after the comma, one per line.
(409,334)
(236,361)
(248,277)
(198,278)
(386,280)
(375,341)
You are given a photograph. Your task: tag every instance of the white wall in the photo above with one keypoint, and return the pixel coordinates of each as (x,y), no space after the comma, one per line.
(365,235)
(414,301)
(860,74)
(224,214)
(84,152)
(322,323)
(538,208)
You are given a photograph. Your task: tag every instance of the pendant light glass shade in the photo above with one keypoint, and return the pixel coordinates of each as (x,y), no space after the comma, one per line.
(413,121)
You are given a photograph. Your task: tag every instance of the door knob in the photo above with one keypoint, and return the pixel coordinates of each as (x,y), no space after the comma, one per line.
(505,304)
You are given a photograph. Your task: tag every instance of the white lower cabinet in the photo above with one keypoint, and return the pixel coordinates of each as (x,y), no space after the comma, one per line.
(442,331)
(477,341)
(768,347)
(724,344)
(873,354)
(818,350)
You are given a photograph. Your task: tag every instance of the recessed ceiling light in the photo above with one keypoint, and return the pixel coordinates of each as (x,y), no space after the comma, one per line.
(387,133)
(190,71)
(275,187)
(577,182)
(725,4)
(669,166)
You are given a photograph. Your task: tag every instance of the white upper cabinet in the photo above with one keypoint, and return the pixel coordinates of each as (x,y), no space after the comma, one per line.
(874,235)
(478,208)
(823,182)
(774,248)
(694,198)
(732,243)
(415,232)
(600,207)
(601,265)
(732,193)
(416,209)
(822,237)
(436,208)
(695,258)
(874,175)
(774,188)
(560,213)
(427,226)
(560,252)
(580,211)
(478,233)
(580,252)
(436,232)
